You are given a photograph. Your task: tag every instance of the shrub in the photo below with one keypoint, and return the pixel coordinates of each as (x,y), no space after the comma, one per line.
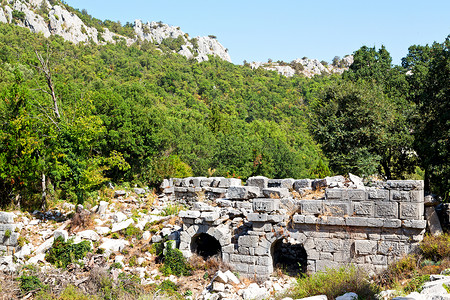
(171,210)
(436,247)
(30,283)
(132,231)
(174,262)
(63,253)
(333,283)
(18,15)
(7,234)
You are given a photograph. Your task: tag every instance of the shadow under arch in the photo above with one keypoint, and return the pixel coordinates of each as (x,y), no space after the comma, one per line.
(289,257)
(206,245)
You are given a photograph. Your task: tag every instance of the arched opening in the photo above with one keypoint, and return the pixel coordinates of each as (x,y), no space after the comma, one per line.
(289,257)
(206,245)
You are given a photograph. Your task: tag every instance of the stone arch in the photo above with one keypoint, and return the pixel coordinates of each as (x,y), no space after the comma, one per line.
(289,256)
(189,238)
(206,245)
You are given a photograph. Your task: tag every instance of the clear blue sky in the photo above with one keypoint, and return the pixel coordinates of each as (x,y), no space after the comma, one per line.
(288,29)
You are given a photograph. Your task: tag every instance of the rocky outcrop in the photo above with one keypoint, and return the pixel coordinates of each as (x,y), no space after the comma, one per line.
(306,67)
(42,17)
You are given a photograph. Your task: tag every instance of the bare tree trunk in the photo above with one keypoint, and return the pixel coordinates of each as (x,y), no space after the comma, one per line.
(44,193)
(45,69)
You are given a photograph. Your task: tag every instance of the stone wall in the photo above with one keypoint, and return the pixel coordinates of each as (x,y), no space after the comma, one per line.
(8,235)
(334,221)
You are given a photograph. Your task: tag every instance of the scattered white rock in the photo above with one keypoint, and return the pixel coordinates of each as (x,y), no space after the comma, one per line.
(88,235)
(253,291)
(231,277)
(102,230)
(122,225)
(348,296)
(119,217)
(61,233)
(113,245)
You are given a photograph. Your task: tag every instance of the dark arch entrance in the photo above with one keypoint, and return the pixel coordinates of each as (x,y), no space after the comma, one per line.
(206,245)
(291,258)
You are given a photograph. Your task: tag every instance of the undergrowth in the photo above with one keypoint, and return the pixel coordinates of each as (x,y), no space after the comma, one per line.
(334,283)
(63,253)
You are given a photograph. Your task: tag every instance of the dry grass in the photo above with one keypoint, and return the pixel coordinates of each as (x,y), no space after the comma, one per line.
(81,221)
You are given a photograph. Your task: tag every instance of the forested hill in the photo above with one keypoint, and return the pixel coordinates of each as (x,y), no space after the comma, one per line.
(55,17)
(73,117)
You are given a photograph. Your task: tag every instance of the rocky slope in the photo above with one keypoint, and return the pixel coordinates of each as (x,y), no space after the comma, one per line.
(305,66)
(53,18)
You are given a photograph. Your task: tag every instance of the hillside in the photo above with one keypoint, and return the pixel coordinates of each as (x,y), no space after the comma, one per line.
(57,18)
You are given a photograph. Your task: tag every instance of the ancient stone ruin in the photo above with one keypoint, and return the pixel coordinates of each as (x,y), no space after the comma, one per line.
(299,225)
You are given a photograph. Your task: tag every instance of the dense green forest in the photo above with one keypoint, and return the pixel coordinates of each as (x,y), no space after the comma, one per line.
(73,117)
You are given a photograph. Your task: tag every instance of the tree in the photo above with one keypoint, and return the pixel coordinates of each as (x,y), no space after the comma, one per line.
(430,76)
(361,130)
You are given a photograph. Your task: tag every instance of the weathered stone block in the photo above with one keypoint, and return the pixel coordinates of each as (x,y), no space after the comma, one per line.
(169,190)
(416,196)
(387,210)
(322,265)
(302,184)
(310,219)
(6,217)
(377,194)
(255,217)
(276,193)
(227,182)
(192,214)
(298,219)
(328,245)
(242,192)
(277,218)
(210,216)
(356,221)
(392,223)
(287,183)
(243,205)
(399,196)
(342,256)
(10,227)
(365,247)
(180,189)
(405,185)
(248,241)
(332,221)
(326,256)
(311,207)
(206,182)
(196,181)
(356,194)
(336,194)
(419,224)
(365,209)
(410,210)
(258,181)
(335,208)
(266,205)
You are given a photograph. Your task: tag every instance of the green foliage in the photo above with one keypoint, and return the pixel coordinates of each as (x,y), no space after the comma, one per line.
(116,265)
(30,283)
(132,232)
(334,283)
(174,262)
(416,283)
(430,67)
(7,234)
(172,209)
(362,130)
(436,247)
(168,286)
(18,15)
(63,253)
